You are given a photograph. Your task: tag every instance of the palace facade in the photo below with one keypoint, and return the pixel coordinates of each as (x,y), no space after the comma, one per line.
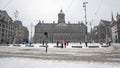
(61,30)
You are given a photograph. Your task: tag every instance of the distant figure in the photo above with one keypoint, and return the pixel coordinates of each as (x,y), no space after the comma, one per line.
(101,43)
(57,44)
(86,44)
(43,43)
(7,43)
(67,43)
(80,42)
(62,45)
(30,43)
(106,43)
(109,43)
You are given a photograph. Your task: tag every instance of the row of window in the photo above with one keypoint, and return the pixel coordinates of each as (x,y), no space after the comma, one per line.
(6,27)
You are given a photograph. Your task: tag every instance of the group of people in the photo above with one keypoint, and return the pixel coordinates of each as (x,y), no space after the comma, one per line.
(63,44)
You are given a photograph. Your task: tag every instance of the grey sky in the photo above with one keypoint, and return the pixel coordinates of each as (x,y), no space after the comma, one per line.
(47,10)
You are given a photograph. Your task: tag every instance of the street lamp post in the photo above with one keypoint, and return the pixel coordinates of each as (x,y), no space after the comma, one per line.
(84,6)
(46,36)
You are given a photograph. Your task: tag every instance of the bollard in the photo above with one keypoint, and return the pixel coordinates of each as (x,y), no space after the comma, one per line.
(46,48)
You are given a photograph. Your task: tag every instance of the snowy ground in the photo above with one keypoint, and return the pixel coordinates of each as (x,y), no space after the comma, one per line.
(36,57)
(35,63)
(107,54)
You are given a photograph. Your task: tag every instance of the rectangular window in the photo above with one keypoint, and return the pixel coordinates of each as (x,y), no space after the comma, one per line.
(115,36)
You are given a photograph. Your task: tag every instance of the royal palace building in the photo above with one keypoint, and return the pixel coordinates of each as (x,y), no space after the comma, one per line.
(61,30)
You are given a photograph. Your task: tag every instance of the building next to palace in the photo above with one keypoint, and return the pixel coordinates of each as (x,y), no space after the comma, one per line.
(107,31)
(6,28)
(12,31)
(21,32)
(61,30)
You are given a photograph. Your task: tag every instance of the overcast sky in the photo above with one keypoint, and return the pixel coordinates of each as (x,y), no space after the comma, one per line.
(32,10)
